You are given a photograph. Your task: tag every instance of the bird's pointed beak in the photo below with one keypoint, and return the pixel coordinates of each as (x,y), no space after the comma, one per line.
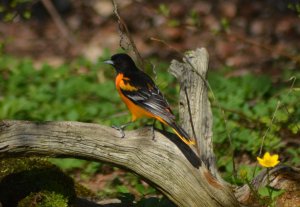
(110,62)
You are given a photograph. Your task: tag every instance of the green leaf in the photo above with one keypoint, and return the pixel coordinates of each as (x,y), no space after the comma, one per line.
(122,189)
(263,191)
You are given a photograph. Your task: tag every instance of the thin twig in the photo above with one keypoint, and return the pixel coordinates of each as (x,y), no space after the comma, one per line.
(189,62)
(265,134)
(273,118)
(229,138)
(124,30)
(58,21)
(191,119)
(184,56)
(268,129)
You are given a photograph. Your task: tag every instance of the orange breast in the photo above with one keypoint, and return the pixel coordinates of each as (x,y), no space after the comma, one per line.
(136,111)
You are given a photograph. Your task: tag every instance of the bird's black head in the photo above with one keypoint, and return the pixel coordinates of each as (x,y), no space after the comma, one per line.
(122,63)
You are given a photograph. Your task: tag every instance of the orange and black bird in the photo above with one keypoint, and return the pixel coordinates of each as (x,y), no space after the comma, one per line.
(142,97)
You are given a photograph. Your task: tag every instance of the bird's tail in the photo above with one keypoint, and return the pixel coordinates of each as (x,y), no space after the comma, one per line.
(182,134)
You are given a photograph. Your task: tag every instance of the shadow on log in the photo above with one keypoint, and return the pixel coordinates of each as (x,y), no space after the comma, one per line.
(161,162)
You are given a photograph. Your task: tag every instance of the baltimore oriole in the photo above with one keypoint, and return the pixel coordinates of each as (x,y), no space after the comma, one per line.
(142,97)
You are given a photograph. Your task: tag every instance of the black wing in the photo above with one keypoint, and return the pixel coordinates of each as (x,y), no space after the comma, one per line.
(148,96)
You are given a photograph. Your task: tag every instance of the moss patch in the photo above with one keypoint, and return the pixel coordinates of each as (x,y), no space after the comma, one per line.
(25,178)
(44,199)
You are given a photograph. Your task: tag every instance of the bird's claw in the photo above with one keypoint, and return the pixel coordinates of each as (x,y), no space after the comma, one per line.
(120,129)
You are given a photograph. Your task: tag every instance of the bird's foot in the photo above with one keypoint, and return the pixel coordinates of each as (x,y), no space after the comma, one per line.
(153,133)
(121,128)
(153,130)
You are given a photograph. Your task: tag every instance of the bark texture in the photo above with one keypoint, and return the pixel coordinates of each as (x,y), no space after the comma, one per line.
(194,106)
(167,163)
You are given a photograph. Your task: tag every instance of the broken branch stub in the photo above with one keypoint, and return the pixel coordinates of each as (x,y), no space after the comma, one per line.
(194,106)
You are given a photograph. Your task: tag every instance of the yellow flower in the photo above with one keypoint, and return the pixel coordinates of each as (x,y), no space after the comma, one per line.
(268,160)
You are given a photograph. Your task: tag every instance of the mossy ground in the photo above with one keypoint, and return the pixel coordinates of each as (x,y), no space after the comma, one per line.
(34,182)
(44,199)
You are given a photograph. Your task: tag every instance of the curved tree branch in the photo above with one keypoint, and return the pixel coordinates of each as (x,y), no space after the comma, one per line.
(167,163)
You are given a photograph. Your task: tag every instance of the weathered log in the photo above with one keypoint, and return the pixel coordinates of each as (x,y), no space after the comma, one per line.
(173,167)
(167,163)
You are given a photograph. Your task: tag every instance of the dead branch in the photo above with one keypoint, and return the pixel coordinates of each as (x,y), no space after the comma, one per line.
(167,163)
(170,165)
(194,101)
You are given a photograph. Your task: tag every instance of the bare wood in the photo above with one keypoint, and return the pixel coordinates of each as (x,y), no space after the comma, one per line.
(167,163)
(194,100)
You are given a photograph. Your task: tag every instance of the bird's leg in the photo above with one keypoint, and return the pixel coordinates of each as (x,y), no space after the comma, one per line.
(152,130)
(163,126)
(121,128)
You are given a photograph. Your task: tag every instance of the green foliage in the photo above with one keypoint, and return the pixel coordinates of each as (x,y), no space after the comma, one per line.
(85,91)
(225,24)
(294,155)
(87,168)
(249,103)
(194,18)
(264,192)
(143,190)
(295,7)
(10,9)
(122,189)
(79,91)
(164,10)
(265,195)
(68,92)
(173,23)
